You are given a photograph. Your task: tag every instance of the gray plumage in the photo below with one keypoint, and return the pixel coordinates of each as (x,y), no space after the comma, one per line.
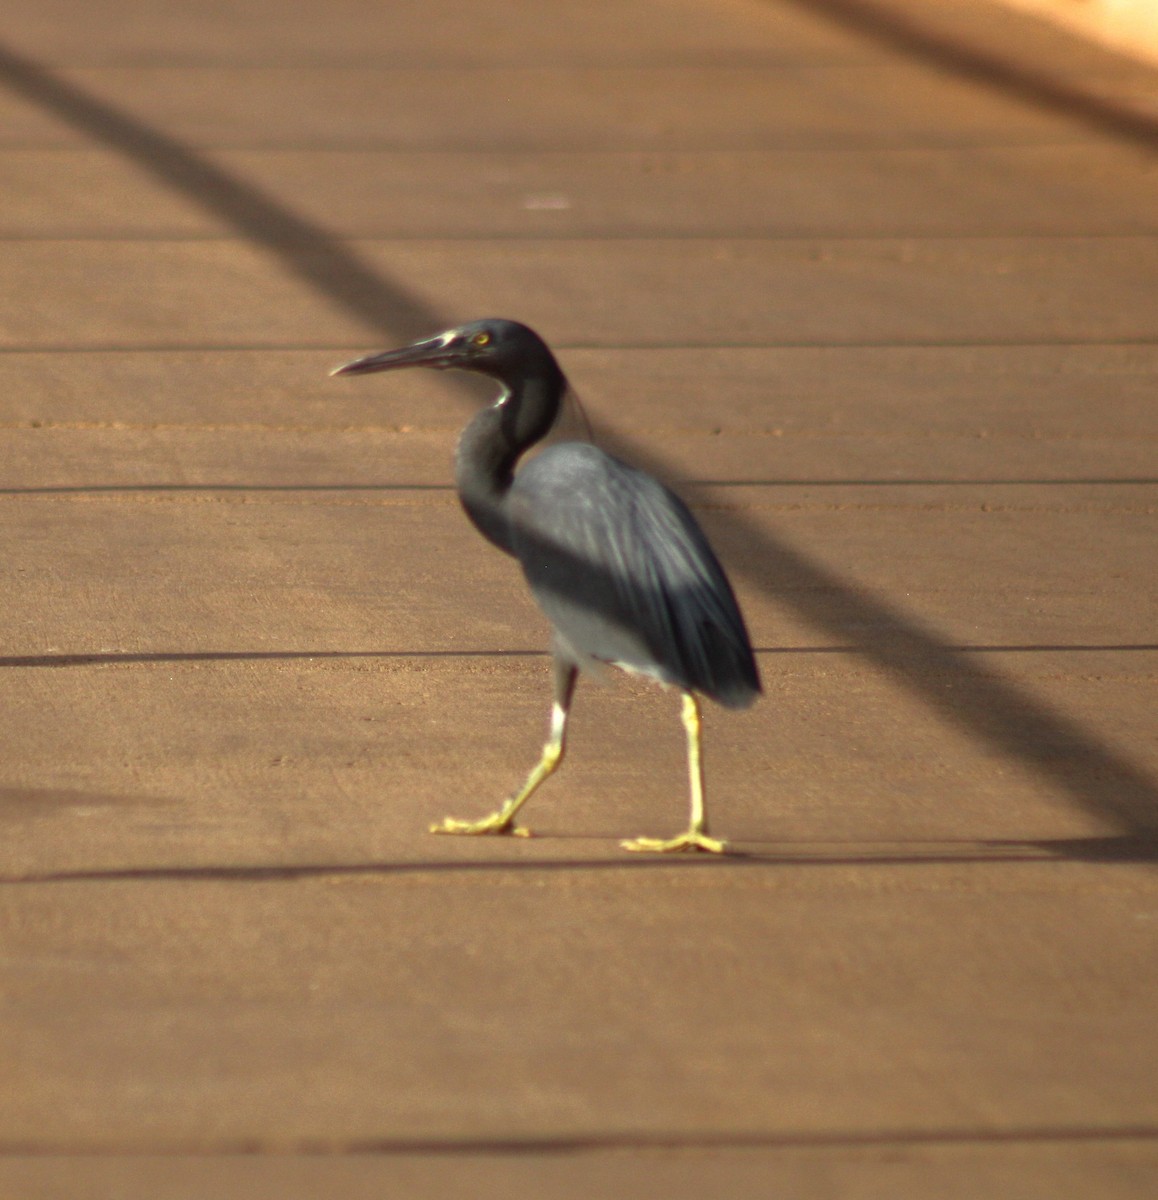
(625,575)
(615,560)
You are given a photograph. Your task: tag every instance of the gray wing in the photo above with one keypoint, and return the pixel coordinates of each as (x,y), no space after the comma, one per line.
(624,573)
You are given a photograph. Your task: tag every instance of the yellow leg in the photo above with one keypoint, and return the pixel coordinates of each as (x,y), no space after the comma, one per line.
(503,821)
(696,837)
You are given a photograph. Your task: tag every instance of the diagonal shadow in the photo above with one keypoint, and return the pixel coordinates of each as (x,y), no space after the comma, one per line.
(906,33)
(318,258)
(968,694)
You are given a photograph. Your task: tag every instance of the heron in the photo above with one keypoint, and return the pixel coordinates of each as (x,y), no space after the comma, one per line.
(615,559)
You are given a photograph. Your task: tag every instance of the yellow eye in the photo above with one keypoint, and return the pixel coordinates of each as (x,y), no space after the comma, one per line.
(481,339)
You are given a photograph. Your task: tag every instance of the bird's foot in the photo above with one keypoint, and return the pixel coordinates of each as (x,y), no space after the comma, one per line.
(497,823)
(686,843)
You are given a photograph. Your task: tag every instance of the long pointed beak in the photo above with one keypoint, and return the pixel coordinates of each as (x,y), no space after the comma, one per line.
(433,352)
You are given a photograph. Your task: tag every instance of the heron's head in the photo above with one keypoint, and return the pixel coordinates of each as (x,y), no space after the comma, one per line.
(505,350)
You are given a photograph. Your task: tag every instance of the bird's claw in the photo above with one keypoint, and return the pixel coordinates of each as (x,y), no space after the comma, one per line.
(496,823)
(686,843)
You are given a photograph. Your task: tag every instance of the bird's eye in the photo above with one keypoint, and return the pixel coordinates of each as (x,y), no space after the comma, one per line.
(481,339)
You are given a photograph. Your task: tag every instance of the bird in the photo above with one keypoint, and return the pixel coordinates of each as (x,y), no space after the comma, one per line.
(615,560)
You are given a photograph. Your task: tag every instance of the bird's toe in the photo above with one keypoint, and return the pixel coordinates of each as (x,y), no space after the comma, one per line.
(686,843)
(496,823)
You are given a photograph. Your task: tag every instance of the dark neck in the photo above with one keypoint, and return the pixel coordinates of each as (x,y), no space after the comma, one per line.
(490,446)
